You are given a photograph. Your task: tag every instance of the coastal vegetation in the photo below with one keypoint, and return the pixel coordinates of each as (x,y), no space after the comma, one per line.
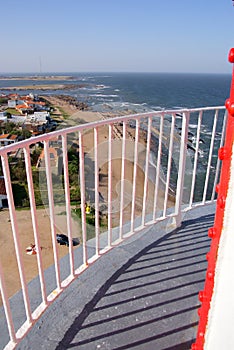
(3,100)
(20,186)
(12,111)
(63,113)
(14,129)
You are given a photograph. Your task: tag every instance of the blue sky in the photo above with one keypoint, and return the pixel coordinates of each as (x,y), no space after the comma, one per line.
(116,35)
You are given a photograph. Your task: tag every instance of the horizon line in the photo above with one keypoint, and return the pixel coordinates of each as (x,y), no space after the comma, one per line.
(108,72)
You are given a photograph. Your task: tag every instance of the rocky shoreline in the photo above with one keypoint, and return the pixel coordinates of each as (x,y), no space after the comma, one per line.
(44,87)
(67,100)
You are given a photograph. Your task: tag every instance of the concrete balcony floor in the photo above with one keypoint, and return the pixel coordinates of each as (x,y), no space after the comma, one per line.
(142,294)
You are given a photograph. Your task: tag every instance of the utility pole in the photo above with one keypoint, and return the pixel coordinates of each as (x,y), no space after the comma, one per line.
(40,64)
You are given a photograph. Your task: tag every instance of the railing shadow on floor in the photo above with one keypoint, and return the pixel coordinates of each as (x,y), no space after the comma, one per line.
(156,309)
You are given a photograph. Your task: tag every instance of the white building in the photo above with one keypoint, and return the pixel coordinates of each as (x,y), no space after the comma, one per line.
(12,103)
(17,119)
(39,117)
(3,117)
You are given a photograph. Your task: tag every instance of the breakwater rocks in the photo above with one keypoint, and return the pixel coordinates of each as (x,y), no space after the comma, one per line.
(71,101)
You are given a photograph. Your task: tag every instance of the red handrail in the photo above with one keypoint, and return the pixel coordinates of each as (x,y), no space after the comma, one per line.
(214,232)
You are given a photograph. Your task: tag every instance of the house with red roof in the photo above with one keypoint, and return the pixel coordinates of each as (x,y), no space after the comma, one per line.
(7,139)
(24,108)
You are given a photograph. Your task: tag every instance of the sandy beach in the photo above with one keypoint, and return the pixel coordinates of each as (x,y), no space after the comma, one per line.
(8,259)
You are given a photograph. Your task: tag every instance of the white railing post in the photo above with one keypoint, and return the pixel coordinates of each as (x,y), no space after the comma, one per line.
(146,170)
(28,169)
(82,195)
(96,179)
(210,156)
(181,170)
(170,151)
(15,231)
(217,171)
(68,203)
(6,306)
(195,158)
(135,173)
(121,215)
(52,213)
(157,179)
(110,185)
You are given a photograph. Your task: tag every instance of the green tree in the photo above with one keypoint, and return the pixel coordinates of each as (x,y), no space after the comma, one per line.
(73,166)
(10,127)
(35,154)
(20,195)
(18,172)
(24,134)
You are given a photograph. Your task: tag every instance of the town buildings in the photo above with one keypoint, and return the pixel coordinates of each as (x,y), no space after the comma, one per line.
(27,113)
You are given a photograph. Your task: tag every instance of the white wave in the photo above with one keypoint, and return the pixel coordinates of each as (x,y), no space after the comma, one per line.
(121,106)
(102,76)
(102,95)
(178,107)
(94,88)
(101,86)
(157,108)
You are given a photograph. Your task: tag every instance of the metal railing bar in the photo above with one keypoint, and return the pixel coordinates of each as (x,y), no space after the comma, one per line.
(146,170)
(83,201)
(96,172)
(182,165)
(135,173)
(52,213)
(6,306)
(110,185)
(210,156)
(195,158)
(122,182)
(169,164)
(68,204)
(218,160)
(51,135)
(28,169)
(15,231)
(157,179)
(198,204)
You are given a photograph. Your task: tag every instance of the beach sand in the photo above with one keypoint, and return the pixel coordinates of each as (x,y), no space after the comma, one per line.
(7,252)
(25,230)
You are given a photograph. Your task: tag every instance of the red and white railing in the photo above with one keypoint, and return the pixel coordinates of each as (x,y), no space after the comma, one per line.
(178,158)
(216,311)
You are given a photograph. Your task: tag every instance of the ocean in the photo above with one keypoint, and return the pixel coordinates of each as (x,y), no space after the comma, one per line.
(138,92)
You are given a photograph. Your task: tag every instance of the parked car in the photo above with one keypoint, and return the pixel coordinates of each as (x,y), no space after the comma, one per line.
(63,240)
